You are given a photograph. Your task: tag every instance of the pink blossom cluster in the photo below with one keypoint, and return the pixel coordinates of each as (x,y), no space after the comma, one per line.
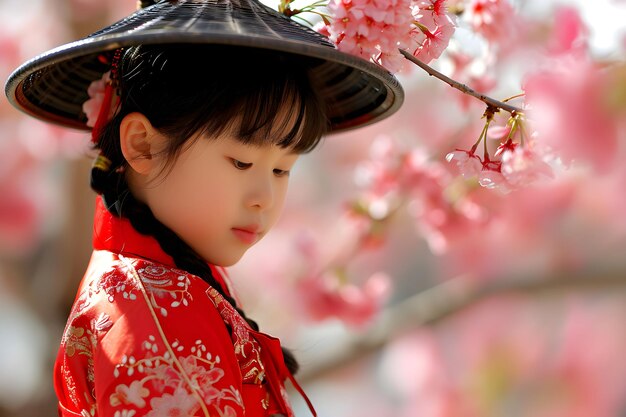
(570,34)
(325,289)
(371,29)
(506,356)
(30,150)
(326,297)
(493,19)
(486,235)
(376,29)
(515,163)
(316,263)
(571,104)
(574,109)
(559,161)
(574,102)
(432,29)
(397,177)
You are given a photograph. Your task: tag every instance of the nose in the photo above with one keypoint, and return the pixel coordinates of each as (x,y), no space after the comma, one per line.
(261,193)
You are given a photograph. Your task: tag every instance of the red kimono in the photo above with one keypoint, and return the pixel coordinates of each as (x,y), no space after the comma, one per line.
(147,339)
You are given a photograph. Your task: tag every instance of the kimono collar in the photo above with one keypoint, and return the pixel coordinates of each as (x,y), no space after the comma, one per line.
(116,234)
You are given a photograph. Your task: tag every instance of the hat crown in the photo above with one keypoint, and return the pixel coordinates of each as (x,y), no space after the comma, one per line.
(216,17)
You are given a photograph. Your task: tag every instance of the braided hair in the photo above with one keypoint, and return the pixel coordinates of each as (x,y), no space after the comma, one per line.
(189,90)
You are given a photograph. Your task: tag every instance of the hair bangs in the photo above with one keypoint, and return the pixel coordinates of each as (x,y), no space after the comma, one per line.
(284,114)
(185,95)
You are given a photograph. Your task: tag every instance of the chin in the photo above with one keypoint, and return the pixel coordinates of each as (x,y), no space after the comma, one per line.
(226,264)
(225,261)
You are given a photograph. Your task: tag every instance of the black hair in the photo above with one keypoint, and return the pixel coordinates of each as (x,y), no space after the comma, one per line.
(187,91)
(145,3)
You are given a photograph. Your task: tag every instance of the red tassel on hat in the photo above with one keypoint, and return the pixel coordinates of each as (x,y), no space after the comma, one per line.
(108,104)
(103,115)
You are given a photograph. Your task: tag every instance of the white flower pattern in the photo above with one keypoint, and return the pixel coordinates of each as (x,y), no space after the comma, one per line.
(161,377)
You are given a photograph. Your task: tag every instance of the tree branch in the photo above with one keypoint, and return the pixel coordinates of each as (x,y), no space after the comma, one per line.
(461,87)
(432,306)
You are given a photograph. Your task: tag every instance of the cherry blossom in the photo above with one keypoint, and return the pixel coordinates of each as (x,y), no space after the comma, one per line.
(569,34)
(375,29)
(412,365)
(491,176)
(433,28)
(30,197)
(325,289)
(488,172)
(432,43)
(517,161)
(558,162)
(502,360)
(539,221)
(521,166)
(430,13)
(326,297)
(571,99)
(440,214)
(570,107)
(371,29)
(494,19)
(469,164)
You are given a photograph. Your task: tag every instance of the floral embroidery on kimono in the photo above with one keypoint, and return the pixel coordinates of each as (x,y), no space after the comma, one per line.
(147,339)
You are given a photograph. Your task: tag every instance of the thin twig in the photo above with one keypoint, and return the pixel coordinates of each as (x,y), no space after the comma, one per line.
(461,87)
(432,306)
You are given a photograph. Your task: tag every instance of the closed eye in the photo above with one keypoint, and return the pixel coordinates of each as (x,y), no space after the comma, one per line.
(241,165)
(281,173)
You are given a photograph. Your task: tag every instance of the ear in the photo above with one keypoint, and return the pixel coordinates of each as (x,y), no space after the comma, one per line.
(140,142)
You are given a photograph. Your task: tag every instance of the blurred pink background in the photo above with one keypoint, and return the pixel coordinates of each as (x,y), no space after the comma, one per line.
(404,288)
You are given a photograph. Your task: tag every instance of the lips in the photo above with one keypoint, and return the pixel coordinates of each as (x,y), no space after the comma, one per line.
(247,234)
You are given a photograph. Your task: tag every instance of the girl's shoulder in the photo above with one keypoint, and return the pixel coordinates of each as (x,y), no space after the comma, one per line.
(156,295)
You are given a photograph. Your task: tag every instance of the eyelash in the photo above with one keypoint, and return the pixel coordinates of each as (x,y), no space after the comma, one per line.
(281,173)
(242,166)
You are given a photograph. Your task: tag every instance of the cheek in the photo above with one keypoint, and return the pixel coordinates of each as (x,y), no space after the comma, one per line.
(188,201)
(169,205)
(281,194)
(174,200)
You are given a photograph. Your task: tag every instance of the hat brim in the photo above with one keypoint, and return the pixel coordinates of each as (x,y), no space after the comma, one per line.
(53,86)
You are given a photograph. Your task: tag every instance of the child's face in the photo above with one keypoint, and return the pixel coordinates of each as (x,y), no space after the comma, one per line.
(221,196)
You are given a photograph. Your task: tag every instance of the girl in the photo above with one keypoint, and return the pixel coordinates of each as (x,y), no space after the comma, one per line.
(203,116)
